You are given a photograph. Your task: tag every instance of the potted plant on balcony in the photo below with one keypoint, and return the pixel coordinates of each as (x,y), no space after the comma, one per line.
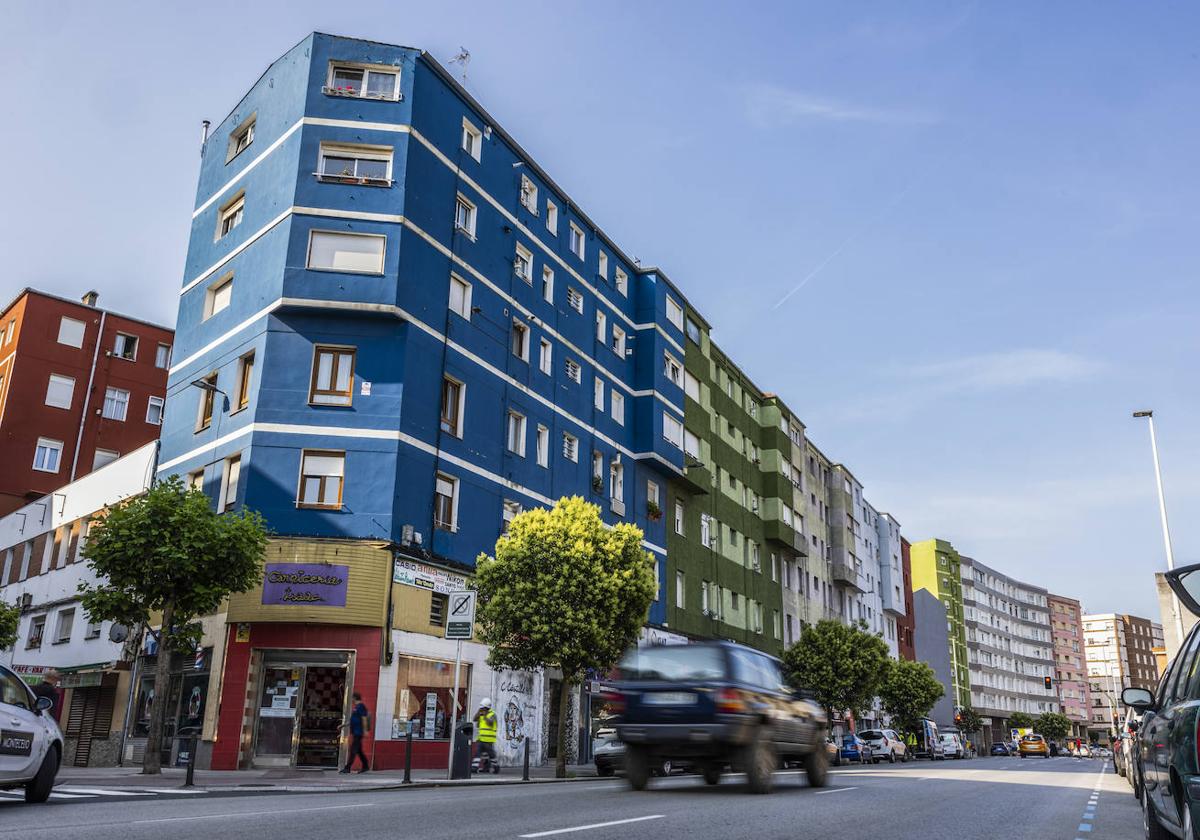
(597,484)
(653,510)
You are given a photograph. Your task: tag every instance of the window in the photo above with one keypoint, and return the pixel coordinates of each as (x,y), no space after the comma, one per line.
(437,608)
(672,369)
(229,483)
(452,406)
(508,514)
(154,411)
(679,590)
(321,476)
(37,628)
(93,630)
(672,430)
(231,215)
(460,296)
(679,516)
(445,502)
(370,165)
(691,386)
(11,333)
(601,327)
(674,313)
(572,369)
(548,284)
(576,242)
(693,331)
(570,447)
(332,376)
(621,280)
(60,390)
(543,446)
(597,470)
(116,403)
(598,393)
(529,195)
(472,139)
(551,217)
(70,332)
(162,356)
(652,497)
(618,341)
(208,398)
(464,216)
(516,433)
(126,347)
(691,444)
(616,482)
(103,457)
(602,269)
(545,352)
(245,377)
(195,481)
(618,406)
(523,264)
(365,82)
(520,341)
(357,253)
(575,299)
(240,138)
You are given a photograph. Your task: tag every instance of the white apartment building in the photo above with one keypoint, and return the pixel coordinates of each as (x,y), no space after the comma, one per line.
(1120,654)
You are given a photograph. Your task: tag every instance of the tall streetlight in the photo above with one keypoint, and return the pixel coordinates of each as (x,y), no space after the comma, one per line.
(1162,513)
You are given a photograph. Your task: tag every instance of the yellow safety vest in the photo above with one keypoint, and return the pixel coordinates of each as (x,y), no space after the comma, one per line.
(487,727)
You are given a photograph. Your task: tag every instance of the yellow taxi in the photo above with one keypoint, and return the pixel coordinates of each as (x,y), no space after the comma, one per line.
(1033,745)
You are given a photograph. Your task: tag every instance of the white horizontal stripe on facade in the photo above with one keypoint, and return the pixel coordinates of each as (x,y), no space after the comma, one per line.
(207,447)
(250,240)
(221,339)
(229,184)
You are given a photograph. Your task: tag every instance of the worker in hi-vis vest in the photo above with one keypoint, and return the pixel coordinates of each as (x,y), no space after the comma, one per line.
(486,727)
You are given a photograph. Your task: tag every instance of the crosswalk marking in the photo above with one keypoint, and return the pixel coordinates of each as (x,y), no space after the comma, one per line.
(103,791)
(173,791)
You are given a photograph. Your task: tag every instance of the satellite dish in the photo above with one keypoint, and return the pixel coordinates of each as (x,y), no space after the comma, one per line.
(118,633)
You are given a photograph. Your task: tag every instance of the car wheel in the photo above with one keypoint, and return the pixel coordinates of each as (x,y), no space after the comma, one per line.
(816,768)
(663,769)
(1153,829)
(712,774)
(904,759)
(760,763)
(604,771)
(38,790)
(892,757)
(637,767)
(875,759)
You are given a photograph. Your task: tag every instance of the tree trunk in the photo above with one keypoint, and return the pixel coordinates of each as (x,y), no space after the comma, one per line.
(564,706)
(152,760)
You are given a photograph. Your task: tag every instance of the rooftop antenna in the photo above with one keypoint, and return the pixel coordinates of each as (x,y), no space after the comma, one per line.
(463,58)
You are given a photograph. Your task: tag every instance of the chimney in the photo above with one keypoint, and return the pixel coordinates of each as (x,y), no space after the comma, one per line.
(90,297)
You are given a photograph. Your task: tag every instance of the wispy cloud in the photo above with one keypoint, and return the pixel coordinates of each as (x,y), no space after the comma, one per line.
(1008,369)
(768,106)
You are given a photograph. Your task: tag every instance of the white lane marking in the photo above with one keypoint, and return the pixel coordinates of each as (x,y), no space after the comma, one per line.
(56,795)
(173,791)
(102,791)
(236,814)
(836,790)
(593,825)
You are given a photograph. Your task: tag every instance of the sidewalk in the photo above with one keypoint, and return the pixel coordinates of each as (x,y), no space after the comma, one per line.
(310,781)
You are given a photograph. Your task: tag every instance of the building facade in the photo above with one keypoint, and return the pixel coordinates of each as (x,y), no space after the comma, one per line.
(1070,661)
(79,387)
(906,625)
(1120,654)
(937,568)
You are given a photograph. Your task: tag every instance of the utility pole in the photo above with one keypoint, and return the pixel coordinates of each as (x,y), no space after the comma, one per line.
(1162,514)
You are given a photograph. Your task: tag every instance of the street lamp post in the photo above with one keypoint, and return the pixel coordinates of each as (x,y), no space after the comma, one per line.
(1162,514)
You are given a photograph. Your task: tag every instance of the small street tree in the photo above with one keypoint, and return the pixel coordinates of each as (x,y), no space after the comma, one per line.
(1020,720)
(1053,726)
(563,591)
(10,620)
(167,555)
(842,665)
(969,720)
(907,692)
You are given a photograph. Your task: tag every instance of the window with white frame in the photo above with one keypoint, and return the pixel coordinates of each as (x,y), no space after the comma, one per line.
(548,284)
(545,356)
(453,405)
(621,281)
(672,430)
(679,516)
(332,376)
(60,390)
(230,215)
(357,253)
(598,393)
(618,406)
(154,411)
(217,296)
(575,299)
(66,623)
(116,404)
(616,481)
(543,446)
(691,386)
(126,347)
(529,194)
(652,495)
(162,356)
(573,371)
(705,530)
(460,297)
(691,444)
(679,590)
(321,477)
(601,327)
(445,503)
(570,447)
(672,369)
(47,455)
(70,332)
(674,313)
(365,81)
(551,217)
(597,469)
(618,341)
(241,138)
(229,482)
(472,139)
(577,241)
(354,164)
(516,433)
(523,263)
(693,331)
(510,511)
(464,215)
(520,340)
(602,267)
(104,456)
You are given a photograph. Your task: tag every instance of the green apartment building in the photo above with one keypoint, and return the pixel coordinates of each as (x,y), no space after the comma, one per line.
(937,567)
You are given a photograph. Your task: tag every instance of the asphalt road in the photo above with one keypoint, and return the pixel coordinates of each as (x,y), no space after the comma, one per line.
(1002,798)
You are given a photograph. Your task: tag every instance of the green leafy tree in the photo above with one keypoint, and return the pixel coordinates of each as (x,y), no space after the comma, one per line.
(969,720)
(1053,725)
(907,692)
(1020,720)
(167,556)
(10,620)
(842,665)
(563,591)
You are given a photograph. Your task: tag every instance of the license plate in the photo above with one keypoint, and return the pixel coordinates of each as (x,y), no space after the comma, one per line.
(15,742)
(670,698)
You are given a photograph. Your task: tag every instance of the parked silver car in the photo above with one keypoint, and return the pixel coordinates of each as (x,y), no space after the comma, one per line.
(30,741)
(886,743)
(952,745)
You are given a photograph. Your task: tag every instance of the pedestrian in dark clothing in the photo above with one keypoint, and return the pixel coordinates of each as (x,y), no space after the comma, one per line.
(48,687)
(360,724)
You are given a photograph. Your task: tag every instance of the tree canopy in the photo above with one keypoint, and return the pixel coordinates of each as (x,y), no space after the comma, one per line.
(1020,720)
(10,620)
(908,692)
(969,720)
(842,665)
(1053,725)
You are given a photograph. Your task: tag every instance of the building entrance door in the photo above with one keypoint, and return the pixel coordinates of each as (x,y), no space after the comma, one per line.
(279,699)
(302,708)
(322,716)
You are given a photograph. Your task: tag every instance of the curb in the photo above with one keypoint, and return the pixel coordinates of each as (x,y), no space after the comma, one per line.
(423,784)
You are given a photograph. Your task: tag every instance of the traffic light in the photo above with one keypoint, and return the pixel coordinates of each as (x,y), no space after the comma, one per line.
(1049,683)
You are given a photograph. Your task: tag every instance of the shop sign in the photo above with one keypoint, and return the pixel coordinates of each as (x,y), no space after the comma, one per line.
(305,584)
(653,637)
(432,578)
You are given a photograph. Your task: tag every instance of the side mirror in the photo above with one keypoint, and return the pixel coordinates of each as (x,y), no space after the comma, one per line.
(43,704)
(1138,699)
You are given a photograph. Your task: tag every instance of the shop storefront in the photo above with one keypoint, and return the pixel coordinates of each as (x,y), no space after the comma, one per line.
(186,700)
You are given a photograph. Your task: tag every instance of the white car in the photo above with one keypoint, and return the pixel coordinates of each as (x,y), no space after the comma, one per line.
(953,745)
(30,741)
(886,743)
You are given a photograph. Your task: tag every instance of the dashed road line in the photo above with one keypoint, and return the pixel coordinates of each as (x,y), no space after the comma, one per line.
(591,826)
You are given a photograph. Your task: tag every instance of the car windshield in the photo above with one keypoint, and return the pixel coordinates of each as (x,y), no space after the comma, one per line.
(675,663)
(1032,739)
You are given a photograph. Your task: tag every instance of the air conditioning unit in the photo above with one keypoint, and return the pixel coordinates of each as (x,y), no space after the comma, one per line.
(406,535)
(26,600)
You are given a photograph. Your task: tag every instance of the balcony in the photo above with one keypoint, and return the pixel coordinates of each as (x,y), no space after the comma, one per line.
(697,476)
(845,574)
(778,532)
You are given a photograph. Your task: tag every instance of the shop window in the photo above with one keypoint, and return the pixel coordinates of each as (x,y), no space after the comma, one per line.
(423,695)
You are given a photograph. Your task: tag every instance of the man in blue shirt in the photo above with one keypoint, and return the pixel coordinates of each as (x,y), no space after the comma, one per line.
(360,723)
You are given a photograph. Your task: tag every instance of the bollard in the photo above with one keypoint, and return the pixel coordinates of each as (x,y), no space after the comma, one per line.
(189,781)
(525,774)
(408,756)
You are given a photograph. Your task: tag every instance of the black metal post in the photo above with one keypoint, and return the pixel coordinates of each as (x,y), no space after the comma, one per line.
(525,773)
(189,781)
(408,755)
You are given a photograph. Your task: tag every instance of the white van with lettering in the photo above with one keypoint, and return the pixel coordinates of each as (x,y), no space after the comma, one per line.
(30,740)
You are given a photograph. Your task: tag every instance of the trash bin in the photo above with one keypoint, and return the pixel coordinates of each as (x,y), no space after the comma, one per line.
(460,761)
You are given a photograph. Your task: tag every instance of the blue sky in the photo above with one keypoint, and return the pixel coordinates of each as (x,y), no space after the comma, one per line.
(959,239)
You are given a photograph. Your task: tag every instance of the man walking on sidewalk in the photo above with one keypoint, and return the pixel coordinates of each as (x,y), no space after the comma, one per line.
(360,723)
